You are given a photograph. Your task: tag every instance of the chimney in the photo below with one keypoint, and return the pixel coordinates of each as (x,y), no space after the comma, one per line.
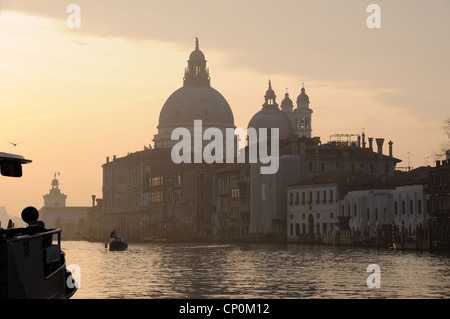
(93,200)
(107,159)
(380,142)
(438,163)
(447,155)
(390,149)
(363,140)
(359,141)
(370,142)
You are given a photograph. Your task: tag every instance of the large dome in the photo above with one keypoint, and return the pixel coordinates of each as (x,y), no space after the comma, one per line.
(190,103)
(195,100)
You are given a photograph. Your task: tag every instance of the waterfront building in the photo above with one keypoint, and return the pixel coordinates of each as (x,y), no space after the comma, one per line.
(72,220)
(354,206)
(439,201)
(231,212)
(373,210)
(313,213)
(181,200)
(126,183)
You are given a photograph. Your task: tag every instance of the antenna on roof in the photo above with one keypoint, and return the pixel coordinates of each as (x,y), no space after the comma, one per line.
(409,160)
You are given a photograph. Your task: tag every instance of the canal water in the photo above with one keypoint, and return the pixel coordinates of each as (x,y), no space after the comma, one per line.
(261,271)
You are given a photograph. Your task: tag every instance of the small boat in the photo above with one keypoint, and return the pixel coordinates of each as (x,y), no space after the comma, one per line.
(116,244)
(32,264)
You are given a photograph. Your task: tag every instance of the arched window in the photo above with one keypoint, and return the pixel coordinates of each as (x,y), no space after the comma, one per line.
(302,122)
(307,122)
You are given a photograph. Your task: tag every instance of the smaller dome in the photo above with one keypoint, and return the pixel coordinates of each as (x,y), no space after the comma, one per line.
(270,93)
(272,118)
(286,104)
(303,98)
(197,55)
(55,183)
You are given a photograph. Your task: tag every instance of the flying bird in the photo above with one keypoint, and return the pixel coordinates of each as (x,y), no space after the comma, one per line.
(15,144)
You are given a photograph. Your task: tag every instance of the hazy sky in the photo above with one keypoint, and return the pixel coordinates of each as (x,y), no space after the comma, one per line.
(76,96)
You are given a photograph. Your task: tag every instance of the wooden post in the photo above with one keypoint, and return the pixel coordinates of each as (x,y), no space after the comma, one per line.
(421,236)
(429,237)
(403,235)
(417,236)
(377,235)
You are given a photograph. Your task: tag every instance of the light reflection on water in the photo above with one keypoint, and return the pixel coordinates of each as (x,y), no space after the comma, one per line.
(176,270)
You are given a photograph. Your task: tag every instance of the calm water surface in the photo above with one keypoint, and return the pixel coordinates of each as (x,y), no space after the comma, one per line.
(176,270)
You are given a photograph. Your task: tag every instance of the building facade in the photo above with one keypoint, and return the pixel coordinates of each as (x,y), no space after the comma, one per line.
(231,212)
(439,202)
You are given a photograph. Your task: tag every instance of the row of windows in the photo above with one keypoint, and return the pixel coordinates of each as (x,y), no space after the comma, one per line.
(347,211)
(439,203)
(178,179)
(404,208)
(156,181)
(302,228)
(323,167)
(158,197)
(439,179)
(317,216)
(307,197)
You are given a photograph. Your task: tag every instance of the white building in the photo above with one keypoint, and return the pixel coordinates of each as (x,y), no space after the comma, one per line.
(312,210)
(402,206)
(354,203)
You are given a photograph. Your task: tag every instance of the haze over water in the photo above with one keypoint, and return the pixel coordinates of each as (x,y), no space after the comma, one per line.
(196,271)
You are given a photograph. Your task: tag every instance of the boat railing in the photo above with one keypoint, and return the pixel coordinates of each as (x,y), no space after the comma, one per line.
(17,234)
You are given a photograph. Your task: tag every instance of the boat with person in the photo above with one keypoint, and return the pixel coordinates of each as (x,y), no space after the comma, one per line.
(32,264)
(116,243)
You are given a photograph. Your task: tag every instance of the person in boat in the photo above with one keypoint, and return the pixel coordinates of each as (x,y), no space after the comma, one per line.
(113,234)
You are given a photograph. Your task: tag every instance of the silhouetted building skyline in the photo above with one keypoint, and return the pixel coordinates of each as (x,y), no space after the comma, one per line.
(146,195)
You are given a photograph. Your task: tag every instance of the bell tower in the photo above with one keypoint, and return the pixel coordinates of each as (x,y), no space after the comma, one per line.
(303,115)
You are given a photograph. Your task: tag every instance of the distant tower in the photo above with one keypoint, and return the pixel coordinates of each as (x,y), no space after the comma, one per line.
(55,198)
(303,115)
